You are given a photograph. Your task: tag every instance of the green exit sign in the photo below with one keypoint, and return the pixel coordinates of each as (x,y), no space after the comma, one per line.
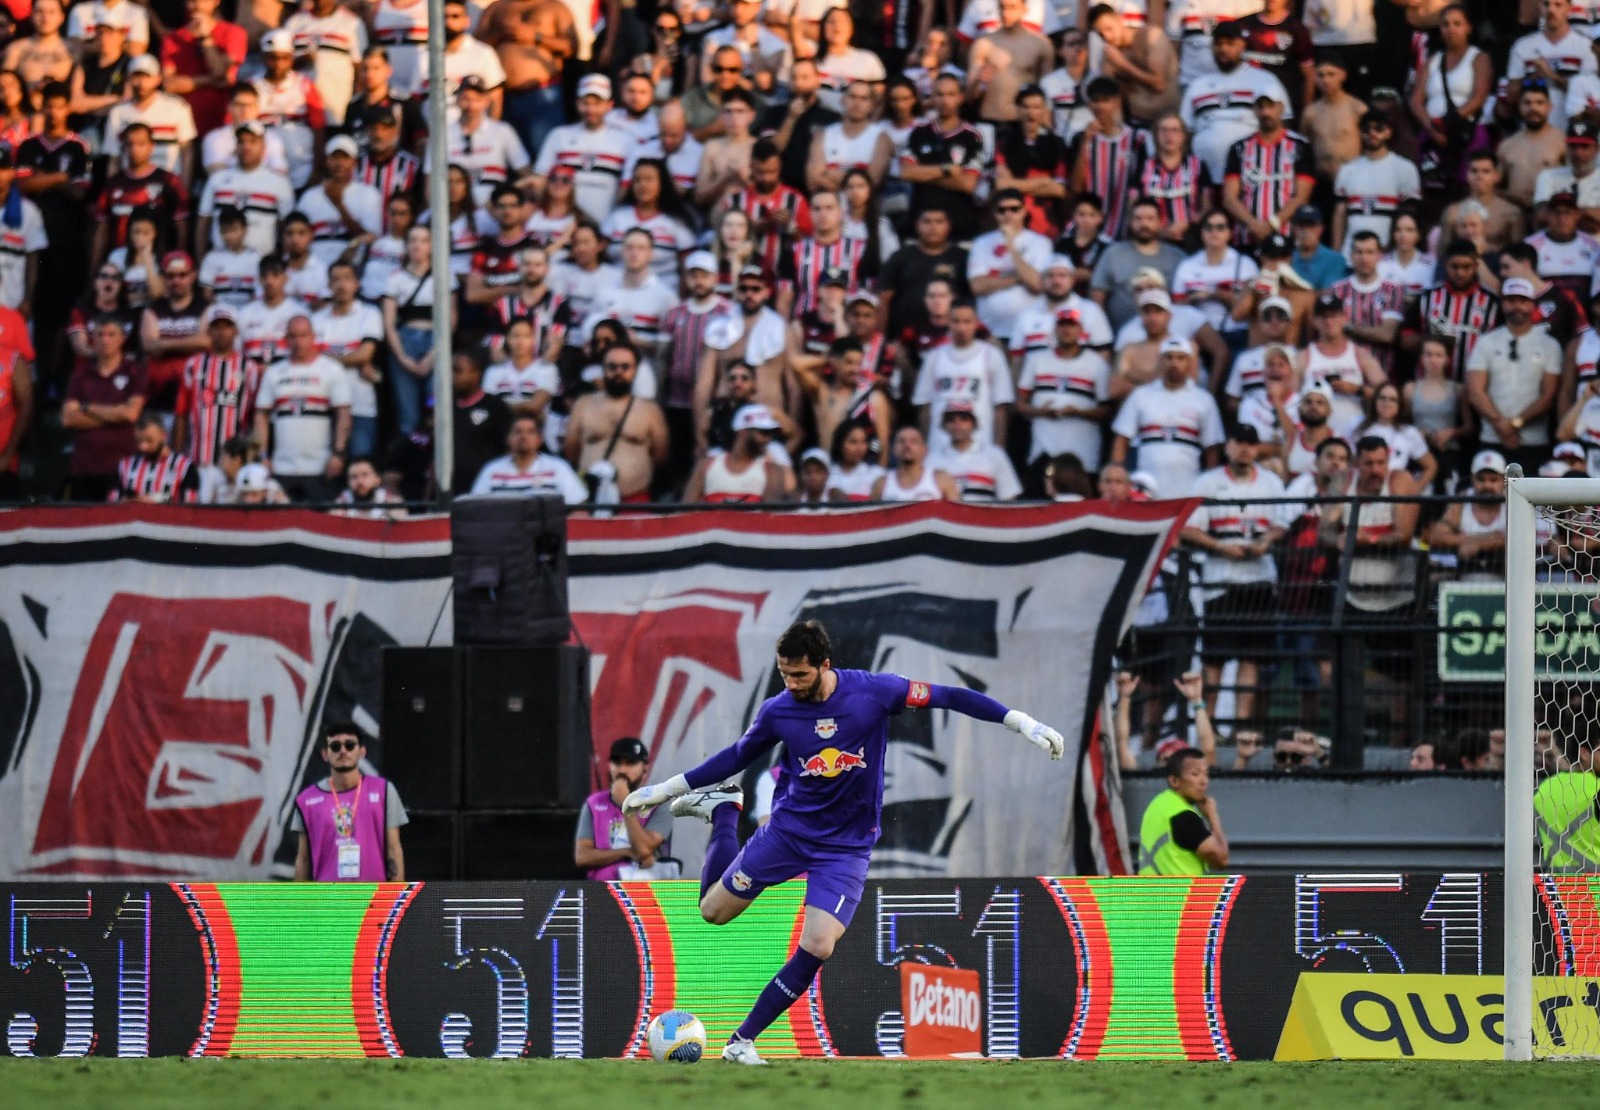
(1472,632)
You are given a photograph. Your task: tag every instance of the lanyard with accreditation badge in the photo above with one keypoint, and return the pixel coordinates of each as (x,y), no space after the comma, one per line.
(344,827)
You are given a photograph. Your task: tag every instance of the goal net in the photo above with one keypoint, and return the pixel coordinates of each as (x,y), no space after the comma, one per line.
(1552,776)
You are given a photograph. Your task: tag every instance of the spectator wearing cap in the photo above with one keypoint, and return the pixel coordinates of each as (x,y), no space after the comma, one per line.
(1577,176)
(1269,174)
(1218,108)
(1476,532)
(486,148)
(982,471)
(1531,149)
(1237,532)
(170,331)
(254,485)
(1338,361)
(264,195)
(346,215)
(1005,60)
(1112,284)
(1556,307)
(1138,342)
(384,163)
(1555,53)
(593,150)
(1172,426)
(169,118)
(1247,371)
(291,105)
(201,61)
(1318,265)
(632,841)
(1512,379)
(216,400)
(746,472)
(1064,391)
(333,38)
(811,478)
(1567,257)
(104,397)
(1370,188)
(1033,160)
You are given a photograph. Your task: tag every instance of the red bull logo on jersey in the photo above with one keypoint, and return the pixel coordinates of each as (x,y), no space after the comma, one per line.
(826,728)
(831,763)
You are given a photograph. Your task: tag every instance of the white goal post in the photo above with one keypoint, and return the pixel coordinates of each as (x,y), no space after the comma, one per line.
(1525,499)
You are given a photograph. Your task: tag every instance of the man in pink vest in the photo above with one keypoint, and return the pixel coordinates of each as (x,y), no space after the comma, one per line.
(631,841)
(349,823)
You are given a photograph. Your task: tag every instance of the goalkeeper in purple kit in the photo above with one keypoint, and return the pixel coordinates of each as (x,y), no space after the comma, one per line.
(834,729)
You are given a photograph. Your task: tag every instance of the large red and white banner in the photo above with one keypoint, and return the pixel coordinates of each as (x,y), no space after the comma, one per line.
(164,671)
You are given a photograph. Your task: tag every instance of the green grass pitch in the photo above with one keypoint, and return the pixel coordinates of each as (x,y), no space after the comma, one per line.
(813,1085)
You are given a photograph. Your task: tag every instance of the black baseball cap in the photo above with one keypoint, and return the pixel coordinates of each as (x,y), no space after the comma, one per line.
(629,749)
(1227,29)
(382,114)
(1276,246)
(835,275)
(1582,131)
(1308,215)
(1328,302)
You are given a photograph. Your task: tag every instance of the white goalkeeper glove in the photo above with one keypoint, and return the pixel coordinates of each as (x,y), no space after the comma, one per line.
(1040,735)
(648,797)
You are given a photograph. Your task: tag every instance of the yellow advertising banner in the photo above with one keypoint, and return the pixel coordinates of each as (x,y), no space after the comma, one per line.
(1432,1017)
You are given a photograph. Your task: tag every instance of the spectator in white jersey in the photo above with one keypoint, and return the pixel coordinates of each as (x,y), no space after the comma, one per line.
(527,469)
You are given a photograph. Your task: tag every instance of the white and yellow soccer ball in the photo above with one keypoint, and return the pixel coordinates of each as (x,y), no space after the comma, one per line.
(676,1036)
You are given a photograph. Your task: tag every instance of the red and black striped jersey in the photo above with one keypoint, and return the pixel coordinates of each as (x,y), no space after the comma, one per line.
(1370,306)
(1180,190)
(169,478)
(803,265)
(783,207)
(1268,172)
(685,331)
(158,190)
(1045,159)
(218,396)
(1460,316)
(550,315)
(400,174)
(1109,163)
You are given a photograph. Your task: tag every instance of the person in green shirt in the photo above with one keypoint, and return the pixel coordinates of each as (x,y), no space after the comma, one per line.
(1567,816)
(1181,833)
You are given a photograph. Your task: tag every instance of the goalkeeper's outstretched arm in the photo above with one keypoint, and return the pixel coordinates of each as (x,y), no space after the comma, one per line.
(982,707)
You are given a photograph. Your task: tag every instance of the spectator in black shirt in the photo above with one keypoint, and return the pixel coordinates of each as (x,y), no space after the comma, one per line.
(482,420)
(372,78)
(1082,241)
(944,161)
(53,170)
(793,124)
(100,80)
(1032,159)
(930,257)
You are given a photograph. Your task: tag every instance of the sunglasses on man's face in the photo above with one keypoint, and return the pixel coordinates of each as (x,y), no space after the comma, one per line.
(752,288)
(1007,208)
(617,366)
(727,69)
(343,745)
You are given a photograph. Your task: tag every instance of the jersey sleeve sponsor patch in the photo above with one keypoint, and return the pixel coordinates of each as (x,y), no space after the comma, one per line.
(917,695)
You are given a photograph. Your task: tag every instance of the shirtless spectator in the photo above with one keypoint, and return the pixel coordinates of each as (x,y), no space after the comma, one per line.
(534,39)
(626,433)
(1332,121)
(840,396)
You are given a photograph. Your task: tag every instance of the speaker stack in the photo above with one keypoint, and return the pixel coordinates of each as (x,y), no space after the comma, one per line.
(488,742)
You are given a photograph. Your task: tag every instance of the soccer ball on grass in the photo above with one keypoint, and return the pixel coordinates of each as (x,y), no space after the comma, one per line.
(676,1036)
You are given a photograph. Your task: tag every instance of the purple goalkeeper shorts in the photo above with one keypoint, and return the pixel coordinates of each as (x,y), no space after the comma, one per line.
(835,877)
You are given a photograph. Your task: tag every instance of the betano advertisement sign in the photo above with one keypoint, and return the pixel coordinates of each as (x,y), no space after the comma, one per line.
(1210,968)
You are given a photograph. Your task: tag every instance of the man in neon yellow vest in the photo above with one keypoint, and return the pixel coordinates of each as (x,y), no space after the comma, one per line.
(1181,833)
(1566,811)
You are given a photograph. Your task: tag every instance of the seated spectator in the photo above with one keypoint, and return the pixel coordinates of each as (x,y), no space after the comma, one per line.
(811,480)
(1296,751)
(746,472)
(852,475)
(154,474)
(1476,533)
(1385,418)
(912,479)
(981,470)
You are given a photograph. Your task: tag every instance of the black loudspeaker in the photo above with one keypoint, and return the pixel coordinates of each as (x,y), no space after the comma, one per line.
(525,727)
(429,842)
(421,726)
(509,560)
(520,846)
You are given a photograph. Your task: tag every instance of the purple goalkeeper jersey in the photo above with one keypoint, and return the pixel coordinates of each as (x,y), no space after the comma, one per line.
(831,790)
